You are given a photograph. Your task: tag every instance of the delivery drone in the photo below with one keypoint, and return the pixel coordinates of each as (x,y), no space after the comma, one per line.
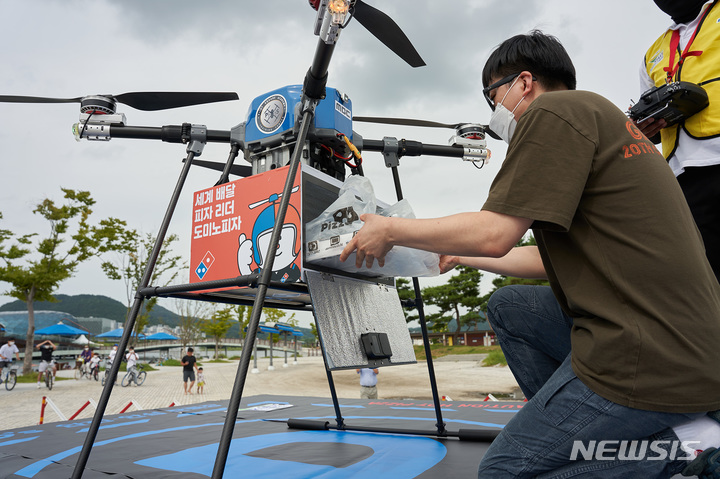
(309,124)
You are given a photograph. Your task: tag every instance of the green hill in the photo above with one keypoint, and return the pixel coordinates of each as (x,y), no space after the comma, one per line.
(89,305)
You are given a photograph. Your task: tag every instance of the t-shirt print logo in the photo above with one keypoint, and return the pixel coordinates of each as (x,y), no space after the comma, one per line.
(641,147)
(634,130)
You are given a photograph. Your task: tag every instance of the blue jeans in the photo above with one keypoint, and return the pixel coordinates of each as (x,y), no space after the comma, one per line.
(562,413)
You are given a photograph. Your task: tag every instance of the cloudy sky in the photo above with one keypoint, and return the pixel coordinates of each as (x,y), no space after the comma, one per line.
(69,48)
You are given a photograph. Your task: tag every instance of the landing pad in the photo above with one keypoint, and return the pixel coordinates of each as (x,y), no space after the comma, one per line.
(182,441)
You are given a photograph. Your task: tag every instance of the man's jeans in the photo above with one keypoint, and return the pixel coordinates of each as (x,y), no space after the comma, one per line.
(561,411)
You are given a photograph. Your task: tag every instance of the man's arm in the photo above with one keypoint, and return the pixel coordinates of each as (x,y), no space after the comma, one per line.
(483,233)
(520,262)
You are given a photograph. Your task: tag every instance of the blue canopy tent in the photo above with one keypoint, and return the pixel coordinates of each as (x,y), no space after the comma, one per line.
(60,329)
(116,334)
(161,337)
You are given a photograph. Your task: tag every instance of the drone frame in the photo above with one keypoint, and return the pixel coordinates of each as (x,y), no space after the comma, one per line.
(195,137)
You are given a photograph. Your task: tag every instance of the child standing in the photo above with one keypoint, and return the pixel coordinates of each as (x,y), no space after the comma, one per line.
(200,381)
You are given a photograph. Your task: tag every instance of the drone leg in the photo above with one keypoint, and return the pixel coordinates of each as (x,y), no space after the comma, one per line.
(243,366)
(194,149)
(225,177)
(423,327)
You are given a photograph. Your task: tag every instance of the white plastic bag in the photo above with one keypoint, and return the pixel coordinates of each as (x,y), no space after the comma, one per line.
(328,234)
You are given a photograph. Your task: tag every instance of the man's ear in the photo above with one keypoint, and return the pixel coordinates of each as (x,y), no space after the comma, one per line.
(528,84)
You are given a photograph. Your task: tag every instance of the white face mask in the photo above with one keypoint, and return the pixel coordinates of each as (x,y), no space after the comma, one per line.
(502,120)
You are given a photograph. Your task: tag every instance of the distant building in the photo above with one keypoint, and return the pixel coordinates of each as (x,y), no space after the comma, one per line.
(162,328)
(16,322)
(480,334)
(98,325)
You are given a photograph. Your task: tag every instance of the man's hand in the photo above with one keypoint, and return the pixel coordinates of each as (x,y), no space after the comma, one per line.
(371,243)
(448,263)
(651,127)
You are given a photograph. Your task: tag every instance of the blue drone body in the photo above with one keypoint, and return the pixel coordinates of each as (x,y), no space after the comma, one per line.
(273,114)
(270,130)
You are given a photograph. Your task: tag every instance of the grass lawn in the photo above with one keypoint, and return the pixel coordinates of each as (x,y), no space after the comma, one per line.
(439,350)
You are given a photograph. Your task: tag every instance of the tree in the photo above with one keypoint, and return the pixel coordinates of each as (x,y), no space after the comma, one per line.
(275,315)
(500,281)
(314,332)
(244,313)
(406,293)
(133,255)
(192,314)
(461,292)
(218,325)
(72,240)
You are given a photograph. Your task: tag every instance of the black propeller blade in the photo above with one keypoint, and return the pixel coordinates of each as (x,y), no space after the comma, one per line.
(163,100)
(421,123)
(36,99)
(146,101)
(237,170)
(388,32)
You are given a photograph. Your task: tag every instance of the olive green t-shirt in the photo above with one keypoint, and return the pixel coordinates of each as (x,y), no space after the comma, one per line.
(622,252)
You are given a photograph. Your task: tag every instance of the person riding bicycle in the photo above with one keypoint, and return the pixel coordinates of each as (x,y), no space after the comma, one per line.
(85,357)
(46,361)
(109,362)
(132,359)
(6,352)
(111,356)
(94,363)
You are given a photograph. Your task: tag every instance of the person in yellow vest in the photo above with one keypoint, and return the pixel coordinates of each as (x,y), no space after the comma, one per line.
(689,50)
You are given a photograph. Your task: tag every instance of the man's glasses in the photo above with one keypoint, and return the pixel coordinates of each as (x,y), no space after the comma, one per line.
(486,91)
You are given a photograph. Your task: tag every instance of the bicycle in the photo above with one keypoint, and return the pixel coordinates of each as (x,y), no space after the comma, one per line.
(104,379)
(136,374)
(49,376)
(10,377)
(81,371)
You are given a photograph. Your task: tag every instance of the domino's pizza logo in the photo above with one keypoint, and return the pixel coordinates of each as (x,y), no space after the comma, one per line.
(204,265)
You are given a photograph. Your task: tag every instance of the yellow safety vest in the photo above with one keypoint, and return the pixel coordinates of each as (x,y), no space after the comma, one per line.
(698,63)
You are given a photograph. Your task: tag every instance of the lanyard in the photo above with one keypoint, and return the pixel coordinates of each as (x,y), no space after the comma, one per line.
(672,68)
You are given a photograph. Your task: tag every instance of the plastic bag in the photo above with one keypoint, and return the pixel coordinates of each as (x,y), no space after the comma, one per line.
(328,234)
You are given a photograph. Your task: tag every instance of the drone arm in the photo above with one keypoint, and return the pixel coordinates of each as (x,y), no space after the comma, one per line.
(168,133)
(414,148)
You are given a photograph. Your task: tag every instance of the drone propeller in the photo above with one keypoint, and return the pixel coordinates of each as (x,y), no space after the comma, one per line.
(388,32)
(237,170)
(146,101)
(425,123)
(384,29)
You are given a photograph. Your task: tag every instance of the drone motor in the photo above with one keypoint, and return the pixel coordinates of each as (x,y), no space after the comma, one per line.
(98,105)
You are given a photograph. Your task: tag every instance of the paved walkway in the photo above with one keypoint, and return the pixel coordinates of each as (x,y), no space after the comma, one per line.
(21,406)
(460,379)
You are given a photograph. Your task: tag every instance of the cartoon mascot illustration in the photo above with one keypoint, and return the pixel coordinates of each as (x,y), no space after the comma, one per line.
(251,250)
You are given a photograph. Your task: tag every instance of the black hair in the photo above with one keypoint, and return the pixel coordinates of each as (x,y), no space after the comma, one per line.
(190,350)
(540,54)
